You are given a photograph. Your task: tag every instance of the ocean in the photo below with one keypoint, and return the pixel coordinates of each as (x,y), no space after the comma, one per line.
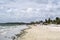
(9,31)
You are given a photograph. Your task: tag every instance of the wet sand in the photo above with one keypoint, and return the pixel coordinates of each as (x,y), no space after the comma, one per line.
(41,32)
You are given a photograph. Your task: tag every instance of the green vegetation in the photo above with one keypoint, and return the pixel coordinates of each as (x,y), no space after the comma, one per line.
(47,21)
(55,21)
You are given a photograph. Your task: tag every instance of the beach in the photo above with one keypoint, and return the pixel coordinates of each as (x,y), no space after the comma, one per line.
(41,32)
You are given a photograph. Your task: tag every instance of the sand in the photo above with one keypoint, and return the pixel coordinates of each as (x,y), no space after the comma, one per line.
(42,32)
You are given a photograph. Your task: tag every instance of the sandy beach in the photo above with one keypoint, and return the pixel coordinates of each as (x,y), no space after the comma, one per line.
(42,32)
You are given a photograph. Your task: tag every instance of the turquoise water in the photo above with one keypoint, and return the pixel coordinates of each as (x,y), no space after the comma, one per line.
(7,32)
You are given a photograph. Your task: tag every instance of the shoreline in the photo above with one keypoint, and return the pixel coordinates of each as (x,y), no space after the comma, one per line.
(22,33)
(26,33)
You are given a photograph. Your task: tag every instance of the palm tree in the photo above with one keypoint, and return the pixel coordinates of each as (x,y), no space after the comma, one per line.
(49,21)
(57,20)
(46,20)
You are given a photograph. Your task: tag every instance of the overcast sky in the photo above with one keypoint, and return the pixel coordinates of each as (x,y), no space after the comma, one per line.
(28,10)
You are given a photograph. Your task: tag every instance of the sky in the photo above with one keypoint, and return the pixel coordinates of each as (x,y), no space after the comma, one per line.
(28,10)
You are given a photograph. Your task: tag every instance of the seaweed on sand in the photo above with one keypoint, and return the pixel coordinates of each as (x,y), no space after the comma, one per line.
(22,33)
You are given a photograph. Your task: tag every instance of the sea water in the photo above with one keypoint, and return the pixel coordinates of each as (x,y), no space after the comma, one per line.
(7,32)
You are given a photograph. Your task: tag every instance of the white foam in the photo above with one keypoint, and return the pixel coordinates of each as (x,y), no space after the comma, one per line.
(3,33)
(11,30)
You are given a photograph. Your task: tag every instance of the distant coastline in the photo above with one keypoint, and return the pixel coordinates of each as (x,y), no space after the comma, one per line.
(46,22)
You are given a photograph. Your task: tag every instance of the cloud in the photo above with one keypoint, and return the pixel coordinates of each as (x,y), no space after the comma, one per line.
(28,10)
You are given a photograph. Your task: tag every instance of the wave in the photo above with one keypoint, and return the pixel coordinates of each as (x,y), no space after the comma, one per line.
(7,32)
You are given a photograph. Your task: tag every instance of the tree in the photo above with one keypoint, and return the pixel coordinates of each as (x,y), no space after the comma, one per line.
(54,21)
(57,20)
(46,20)
(49,21)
